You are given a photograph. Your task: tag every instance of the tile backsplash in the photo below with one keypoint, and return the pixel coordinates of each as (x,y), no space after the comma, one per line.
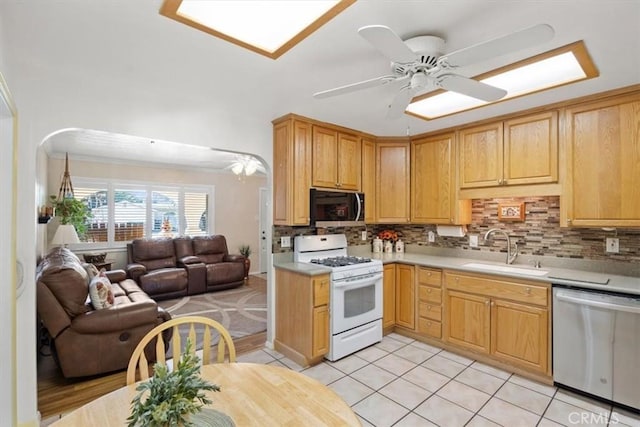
(539,234)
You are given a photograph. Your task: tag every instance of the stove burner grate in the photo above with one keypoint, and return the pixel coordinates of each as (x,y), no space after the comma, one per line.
(340,261)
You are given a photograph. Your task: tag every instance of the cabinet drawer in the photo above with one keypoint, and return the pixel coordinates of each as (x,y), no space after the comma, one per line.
(427,276)
(527,292)
(431,328)
(320,291)
(430,294)
(430,311)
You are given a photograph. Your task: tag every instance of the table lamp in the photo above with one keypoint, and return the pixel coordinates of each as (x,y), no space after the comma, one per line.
(65,234)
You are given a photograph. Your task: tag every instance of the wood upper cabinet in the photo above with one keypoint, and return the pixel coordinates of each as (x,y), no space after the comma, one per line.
(291,172)
(389,296)
(506,319)
(336,159)
(369,179)
(518,151)
(481,156)
(602,185)
(405,296)
(302,316)
(392,181)
(434,191)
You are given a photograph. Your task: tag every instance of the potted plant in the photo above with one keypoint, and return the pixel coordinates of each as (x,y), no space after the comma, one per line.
(176,398)
(72,211)
(245,251)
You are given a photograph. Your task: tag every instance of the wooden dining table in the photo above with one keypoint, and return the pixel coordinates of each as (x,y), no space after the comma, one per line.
(251,394)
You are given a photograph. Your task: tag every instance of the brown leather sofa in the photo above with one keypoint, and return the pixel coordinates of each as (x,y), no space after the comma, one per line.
(224,270)
(153,264)
(87,341)
(174,267)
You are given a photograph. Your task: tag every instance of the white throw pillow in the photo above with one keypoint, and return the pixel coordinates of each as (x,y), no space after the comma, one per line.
(100,292)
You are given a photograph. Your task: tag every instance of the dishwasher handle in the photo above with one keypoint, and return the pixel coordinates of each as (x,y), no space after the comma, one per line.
(629,308)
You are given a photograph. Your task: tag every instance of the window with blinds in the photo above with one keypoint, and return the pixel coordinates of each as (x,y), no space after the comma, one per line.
(121,213)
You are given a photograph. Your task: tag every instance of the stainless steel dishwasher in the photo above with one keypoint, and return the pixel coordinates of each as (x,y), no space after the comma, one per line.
(596,343)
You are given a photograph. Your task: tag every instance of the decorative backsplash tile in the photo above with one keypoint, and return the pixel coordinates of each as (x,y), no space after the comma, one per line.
(539,234)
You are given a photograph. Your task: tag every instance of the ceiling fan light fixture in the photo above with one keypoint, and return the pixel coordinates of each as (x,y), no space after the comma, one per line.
(555,68)
(237,168)
(251,167)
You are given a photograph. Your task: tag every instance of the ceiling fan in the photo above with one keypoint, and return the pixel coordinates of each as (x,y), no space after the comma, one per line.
(420,64)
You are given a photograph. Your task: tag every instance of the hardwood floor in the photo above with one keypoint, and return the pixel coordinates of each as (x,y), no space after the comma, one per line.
(58,395)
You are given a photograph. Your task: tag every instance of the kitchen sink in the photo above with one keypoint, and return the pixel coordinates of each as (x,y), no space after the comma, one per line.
(506,269)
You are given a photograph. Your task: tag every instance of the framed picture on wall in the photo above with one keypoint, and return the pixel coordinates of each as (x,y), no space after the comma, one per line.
(511,211)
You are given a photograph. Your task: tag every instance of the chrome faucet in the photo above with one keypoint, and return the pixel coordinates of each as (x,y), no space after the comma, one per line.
(510,257)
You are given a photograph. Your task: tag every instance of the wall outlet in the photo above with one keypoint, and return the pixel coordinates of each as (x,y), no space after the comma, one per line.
(431,236)
(363,235)
(473,240)
(613,245)
(285,241)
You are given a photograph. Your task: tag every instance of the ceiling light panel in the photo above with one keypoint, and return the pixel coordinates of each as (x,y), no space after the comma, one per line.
(551,69)
(264,26)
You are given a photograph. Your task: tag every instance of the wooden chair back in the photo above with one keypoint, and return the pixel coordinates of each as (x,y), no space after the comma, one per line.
(139,363)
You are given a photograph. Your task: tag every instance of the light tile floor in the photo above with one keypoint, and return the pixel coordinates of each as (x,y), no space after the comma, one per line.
(402,382)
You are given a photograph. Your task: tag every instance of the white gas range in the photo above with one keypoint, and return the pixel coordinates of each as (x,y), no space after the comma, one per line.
(356,292)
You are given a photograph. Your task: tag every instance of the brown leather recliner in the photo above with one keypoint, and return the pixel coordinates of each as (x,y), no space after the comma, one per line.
(87,341)
(154,266)
(224,270)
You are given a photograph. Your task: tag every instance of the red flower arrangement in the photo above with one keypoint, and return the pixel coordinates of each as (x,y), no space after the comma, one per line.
(388,235)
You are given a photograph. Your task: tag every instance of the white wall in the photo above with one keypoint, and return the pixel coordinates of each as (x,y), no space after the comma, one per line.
(51,98)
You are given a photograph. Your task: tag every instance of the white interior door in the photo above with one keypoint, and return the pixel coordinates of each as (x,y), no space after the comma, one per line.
(264,231)
(10,270)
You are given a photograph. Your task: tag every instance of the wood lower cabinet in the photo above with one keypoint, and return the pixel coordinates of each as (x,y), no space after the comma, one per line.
(602,143)
(302,316)
(405,296)
(429,302)
(389,296)
(506,319)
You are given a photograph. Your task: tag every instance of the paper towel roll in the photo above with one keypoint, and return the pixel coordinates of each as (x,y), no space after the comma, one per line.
(452,230)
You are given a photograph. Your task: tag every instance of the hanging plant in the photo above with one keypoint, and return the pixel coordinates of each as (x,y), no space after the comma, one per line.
(72,211)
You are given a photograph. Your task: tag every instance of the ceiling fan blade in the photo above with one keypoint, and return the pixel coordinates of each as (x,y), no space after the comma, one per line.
(499,46)
(378,81)
(387,42)
(401,102)
(470,87)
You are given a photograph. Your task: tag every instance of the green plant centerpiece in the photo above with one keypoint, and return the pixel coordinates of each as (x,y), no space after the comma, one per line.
(175,398)
(72,211)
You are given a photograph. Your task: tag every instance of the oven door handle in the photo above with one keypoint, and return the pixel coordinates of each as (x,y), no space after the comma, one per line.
(346,283)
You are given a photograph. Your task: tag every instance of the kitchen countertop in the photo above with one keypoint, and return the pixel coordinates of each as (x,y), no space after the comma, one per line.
(557,273)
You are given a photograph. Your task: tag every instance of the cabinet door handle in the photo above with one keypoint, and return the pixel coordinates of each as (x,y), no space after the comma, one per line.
(528,291)
(428,291)
(493,303)
(486,303)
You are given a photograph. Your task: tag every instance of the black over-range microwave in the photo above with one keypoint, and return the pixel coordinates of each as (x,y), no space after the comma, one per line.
(336,208)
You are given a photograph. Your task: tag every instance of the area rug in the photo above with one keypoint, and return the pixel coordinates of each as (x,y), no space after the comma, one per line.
(242,311)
